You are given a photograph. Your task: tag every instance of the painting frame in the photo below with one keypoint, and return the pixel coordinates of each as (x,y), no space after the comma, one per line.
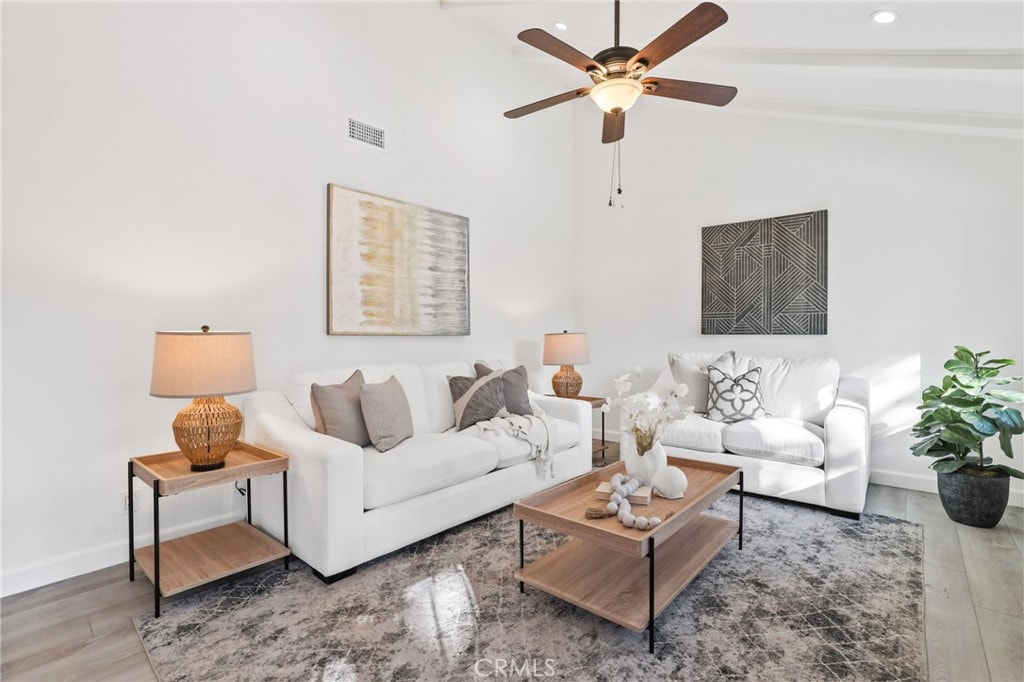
(433,256)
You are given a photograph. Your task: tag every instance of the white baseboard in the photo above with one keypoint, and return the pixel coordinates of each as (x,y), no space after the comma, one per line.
(925,482)
(93,559)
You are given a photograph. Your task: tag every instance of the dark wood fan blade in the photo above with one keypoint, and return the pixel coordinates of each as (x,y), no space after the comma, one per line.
(545,42)
(691,91)
(545,103)
(614,127)
(702,20)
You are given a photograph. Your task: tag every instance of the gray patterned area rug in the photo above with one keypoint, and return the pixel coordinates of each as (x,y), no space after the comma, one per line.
(810,597)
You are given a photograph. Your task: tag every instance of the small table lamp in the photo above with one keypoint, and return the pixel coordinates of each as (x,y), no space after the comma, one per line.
(204,366)
(566,349)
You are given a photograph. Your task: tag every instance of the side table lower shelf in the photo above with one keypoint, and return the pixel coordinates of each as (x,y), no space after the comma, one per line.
(209,555)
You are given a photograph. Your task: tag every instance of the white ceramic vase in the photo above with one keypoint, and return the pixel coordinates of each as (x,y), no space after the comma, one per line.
(643,467)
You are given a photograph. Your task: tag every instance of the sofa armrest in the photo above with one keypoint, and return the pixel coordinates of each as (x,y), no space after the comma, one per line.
(576,411)
(325,486)
(848,446)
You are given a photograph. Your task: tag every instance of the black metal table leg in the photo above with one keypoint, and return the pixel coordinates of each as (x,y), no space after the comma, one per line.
(604,445)
(741,510)
(131,522)
(248,501)
(284,487)
(650,587)
(521,563)
(156,548)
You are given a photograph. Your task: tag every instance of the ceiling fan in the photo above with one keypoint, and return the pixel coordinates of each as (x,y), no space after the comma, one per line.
(618,72)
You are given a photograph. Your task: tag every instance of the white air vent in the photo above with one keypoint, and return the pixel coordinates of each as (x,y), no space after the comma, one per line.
(366,133)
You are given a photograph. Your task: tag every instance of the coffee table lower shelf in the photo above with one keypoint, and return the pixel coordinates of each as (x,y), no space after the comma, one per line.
(209,555)
(615,586)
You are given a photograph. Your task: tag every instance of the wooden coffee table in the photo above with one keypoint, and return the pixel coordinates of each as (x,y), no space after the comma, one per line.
(604,568)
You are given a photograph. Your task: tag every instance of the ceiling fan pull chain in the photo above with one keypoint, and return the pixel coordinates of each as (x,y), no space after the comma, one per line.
(618,153)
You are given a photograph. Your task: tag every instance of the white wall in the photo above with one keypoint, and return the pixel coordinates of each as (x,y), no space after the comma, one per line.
(165,166)
(926,234)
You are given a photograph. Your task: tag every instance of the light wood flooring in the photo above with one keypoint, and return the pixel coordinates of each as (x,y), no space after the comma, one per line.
(81,629)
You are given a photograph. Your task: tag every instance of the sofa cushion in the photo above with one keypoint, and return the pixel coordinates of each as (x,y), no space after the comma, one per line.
(409,375)
(422,464)
(783,440)
(338,411)
(512,451)
(386,412)
(439,396)
(480,402)
(516,384)
(733,398)
(692,369)
(694,432)
(796,388)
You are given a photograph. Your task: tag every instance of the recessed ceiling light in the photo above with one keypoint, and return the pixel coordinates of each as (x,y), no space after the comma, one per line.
(885,16)
(561,26)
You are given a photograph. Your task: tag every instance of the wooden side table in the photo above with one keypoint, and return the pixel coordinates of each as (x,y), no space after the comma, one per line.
(187,562)
(595,403)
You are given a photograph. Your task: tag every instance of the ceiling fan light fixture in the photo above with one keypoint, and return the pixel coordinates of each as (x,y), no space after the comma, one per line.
(616,94)
(885,16)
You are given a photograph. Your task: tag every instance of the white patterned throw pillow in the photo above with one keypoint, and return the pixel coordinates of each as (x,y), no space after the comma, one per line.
(733,399)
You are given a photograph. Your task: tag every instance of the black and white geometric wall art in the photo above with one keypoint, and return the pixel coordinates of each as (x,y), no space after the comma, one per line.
(767,276)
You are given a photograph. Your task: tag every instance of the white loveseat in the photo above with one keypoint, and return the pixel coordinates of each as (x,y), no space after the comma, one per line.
(815,448)
(348,504)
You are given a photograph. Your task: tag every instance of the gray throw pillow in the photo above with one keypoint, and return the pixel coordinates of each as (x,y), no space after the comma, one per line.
(482,401)
(387,414)
(515,383)
(459,385)
(733,399)
(337,410)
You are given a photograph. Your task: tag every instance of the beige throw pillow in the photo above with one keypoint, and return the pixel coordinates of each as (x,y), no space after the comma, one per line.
(337,410)
(386,412)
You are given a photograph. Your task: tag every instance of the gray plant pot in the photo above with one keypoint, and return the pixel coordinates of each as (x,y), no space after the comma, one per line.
(973,499)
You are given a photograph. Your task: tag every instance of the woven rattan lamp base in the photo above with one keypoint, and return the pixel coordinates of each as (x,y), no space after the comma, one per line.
(567,382)
(206,431)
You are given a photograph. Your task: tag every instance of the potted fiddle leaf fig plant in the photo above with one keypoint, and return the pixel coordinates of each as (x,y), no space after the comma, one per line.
(956,420)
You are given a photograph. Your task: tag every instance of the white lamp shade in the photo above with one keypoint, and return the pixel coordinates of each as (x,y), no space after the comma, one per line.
(616,94)
(566,349)
(202,364)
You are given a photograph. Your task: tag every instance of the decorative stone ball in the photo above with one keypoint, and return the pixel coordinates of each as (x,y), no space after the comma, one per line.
(653,521)
(616,498)
(612,507)
(622,512)
(628,520)
(625,504)
(641,522)
(617,480)
(621,491)
(669,482)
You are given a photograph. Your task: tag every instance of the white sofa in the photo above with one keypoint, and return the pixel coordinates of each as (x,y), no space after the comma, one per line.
(815,448)
(348,504)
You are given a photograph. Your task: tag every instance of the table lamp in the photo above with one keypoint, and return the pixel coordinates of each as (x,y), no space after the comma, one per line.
(204,366)
(566,349)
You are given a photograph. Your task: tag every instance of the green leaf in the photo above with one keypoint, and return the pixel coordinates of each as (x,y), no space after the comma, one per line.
(959,367)
(922,448)
(948,466)
(963,401)
(1005,442)
(961,434)
(982,425)
(1010,418)
(964,355)
(1016,473)
(1008,396)
(1000,362)
(1002,381)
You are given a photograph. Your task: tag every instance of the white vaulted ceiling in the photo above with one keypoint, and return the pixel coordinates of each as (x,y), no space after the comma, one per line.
(947,66)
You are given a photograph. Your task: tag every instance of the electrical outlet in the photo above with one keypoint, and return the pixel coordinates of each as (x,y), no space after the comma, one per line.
(124,503)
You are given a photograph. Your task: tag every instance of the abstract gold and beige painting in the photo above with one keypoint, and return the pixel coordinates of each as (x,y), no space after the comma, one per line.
(395,268)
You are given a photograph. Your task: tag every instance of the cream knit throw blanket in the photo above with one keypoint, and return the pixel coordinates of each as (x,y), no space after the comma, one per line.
(535,429)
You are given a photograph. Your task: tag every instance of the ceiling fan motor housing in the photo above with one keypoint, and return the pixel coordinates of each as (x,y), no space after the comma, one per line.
(615,60)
